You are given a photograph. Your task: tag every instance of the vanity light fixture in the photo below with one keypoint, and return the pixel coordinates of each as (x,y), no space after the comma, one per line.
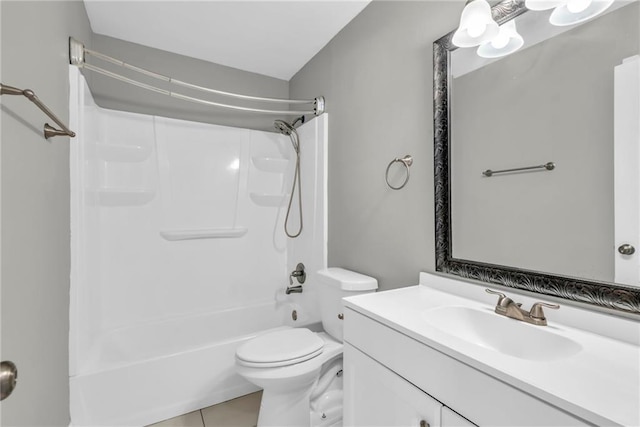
(476,25)
(570,12)
(543,4)
(505,43)
(577,11)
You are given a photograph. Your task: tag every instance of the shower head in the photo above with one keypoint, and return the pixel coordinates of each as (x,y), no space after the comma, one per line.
(283,127)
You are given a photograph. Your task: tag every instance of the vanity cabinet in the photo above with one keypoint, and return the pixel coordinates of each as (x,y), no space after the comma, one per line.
(376,396)
(394,380)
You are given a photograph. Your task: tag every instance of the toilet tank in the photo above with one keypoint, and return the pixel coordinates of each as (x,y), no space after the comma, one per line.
(335,284)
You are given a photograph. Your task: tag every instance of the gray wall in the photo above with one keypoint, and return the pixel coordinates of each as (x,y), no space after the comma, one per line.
(110,93)
(35,209)
(376,75)
(550,102)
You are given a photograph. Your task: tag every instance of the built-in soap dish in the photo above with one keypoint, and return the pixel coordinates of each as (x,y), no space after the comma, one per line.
(211,233)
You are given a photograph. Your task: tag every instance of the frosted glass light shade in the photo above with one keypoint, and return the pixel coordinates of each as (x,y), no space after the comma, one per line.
(583,10)
(476,25)
(543,4)
(505,43)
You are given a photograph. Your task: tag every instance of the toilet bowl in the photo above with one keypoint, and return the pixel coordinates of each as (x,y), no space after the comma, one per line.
(299,370)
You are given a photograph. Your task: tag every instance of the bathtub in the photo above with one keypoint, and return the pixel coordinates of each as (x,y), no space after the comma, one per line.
(139,375)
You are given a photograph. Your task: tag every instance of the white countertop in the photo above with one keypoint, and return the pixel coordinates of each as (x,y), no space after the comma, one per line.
(600,384)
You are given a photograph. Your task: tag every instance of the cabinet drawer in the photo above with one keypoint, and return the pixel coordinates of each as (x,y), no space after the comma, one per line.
(475,395)
(375,396)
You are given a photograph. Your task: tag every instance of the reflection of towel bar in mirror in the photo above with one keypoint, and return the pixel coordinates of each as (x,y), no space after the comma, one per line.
(548,166)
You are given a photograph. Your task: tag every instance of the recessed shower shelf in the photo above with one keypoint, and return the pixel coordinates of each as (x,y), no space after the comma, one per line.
(212,233)
(270,164)
(268,200)
(119,197)
(122,153)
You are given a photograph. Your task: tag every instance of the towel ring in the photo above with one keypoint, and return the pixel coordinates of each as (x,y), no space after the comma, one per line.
(407,161)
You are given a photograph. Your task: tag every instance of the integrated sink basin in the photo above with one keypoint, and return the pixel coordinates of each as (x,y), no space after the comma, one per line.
(508,336)
(454,346)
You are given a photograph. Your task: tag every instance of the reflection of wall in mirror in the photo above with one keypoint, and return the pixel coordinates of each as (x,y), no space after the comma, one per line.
(552,102)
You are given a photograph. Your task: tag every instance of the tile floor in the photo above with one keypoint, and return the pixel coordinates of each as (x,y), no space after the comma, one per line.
(240,412)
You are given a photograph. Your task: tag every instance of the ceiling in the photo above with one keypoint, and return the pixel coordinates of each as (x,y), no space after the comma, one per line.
(274,38)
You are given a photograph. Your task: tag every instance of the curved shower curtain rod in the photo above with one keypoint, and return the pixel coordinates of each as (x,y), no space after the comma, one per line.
(77,53)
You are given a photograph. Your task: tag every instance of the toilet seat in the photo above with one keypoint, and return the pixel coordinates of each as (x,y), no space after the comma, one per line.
(280,348)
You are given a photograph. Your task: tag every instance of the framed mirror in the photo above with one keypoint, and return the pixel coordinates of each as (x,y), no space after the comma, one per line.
(533,187)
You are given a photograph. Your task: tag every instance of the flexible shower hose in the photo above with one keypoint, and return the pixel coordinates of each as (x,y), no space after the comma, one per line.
(295,141)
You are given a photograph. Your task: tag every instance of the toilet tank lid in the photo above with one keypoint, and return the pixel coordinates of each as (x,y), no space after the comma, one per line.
(347,280)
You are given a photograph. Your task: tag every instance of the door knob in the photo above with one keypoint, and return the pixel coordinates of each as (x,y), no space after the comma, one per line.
(626,249)
(8,378)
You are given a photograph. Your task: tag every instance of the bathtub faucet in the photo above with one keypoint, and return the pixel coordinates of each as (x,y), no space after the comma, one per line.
(300,276)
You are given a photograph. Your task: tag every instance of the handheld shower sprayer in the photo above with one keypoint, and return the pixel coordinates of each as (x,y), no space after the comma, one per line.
(283,127)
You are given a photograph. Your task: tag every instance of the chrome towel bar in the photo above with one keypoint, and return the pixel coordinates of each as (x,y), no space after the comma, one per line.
(548,166)
(49,130)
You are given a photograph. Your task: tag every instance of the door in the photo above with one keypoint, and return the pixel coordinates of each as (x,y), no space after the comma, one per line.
(627,171)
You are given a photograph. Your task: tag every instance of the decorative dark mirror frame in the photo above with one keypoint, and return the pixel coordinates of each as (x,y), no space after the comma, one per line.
(613,296)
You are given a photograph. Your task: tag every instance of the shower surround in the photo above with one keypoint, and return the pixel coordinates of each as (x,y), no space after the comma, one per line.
(179,255)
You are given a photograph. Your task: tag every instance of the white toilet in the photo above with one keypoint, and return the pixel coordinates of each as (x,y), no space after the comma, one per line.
(300,371)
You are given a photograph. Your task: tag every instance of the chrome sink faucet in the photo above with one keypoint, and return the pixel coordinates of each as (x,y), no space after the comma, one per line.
(507,307)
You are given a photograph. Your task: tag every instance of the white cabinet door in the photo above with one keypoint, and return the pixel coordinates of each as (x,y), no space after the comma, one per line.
(452,419)
(375,396)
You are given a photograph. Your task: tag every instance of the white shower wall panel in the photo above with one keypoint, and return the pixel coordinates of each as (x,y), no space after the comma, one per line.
(140,175)
(124,152)
(143,303)
(305,249)
(199,192)
(146,278)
